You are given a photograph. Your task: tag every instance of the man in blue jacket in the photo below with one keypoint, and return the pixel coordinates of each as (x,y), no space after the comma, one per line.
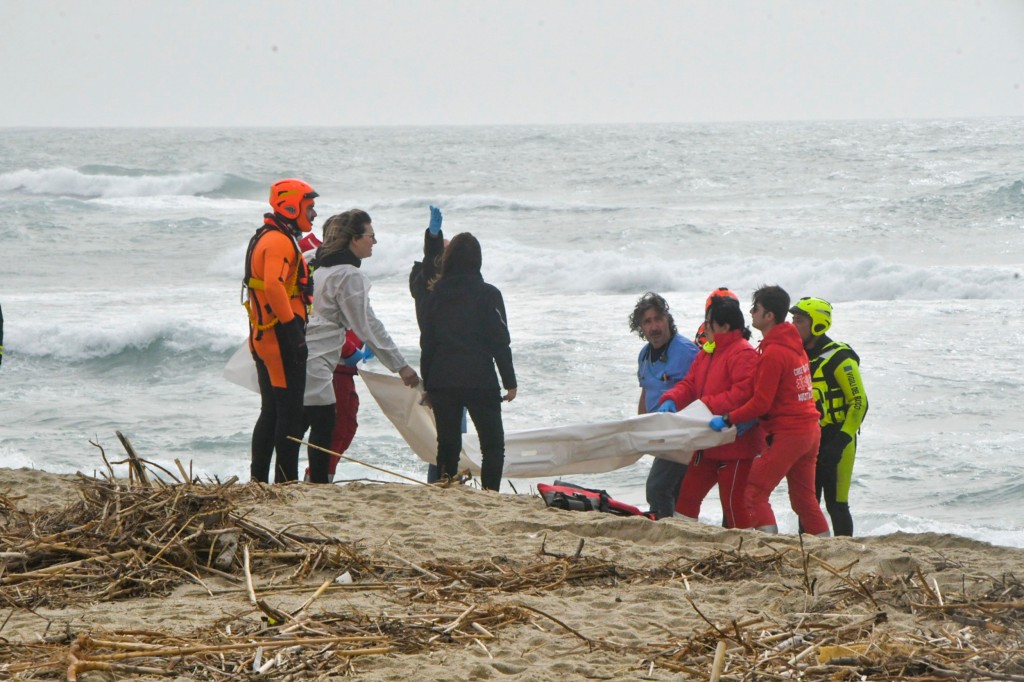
(663,361)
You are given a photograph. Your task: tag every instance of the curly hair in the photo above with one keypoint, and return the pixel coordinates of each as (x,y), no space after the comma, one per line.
(649,301)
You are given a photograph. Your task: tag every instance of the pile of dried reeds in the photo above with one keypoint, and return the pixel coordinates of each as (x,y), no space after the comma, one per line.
(301,645)
(122,540)
(158,530)
(844,636)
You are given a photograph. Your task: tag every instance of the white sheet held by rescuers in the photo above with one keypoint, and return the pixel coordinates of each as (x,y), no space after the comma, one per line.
(241,369)
(559,450)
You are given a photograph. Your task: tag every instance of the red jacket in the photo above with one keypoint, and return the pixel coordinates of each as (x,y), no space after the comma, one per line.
(783,397)
(722,380)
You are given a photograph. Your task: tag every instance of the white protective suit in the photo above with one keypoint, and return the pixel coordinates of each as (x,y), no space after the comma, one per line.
(341,301)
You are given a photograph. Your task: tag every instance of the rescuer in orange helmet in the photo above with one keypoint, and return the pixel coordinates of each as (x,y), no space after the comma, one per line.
(277,291)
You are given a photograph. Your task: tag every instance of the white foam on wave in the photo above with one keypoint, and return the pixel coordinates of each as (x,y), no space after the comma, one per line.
(879,524)
(513,264)
(196,205)
(140,323)
(70,182)
(871,278)
(488,202)
(11,458)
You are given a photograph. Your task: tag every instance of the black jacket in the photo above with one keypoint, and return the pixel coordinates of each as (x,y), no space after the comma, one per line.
(423,272)
(463,334)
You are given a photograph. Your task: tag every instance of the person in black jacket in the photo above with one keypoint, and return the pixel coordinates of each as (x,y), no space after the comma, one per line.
(425,271)
(463,335)
(422,273)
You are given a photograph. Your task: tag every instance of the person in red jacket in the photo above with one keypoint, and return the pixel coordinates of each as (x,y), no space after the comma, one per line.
(722,377)
(783,402)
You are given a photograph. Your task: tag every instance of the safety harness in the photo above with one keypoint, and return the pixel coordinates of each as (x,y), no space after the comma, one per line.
(831,401)
(300,284)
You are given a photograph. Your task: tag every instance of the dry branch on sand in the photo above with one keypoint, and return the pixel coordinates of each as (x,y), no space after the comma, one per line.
(156,531)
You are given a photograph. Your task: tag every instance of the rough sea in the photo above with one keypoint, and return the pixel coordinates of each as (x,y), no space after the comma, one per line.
(122,256)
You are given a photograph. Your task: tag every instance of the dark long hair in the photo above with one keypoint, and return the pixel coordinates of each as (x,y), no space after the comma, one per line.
(462,256)
(727,311)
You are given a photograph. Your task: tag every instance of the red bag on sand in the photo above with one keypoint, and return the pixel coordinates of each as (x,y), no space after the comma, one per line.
(563,495)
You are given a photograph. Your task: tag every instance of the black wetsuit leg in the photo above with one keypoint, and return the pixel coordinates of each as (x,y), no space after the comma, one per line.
(825,483)
(263,432)
(280,417)
(320,419)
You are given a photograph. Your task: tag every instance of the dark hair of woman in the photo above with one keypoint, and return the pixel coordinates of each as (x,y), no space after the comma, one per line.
(727,312)
(462,256)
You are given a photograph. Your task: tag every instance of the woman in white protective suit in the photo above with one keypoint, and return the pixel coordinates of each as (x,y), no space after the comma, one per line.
(341,301)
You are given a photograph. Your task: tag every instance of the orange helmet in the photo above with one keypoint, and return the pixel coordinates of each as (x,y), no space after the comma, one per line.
(701,337)
(291,198)
(720,291)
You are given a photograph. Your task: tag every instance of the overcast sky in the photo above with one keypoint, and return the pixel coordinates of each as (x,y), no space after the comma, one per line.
(337,62)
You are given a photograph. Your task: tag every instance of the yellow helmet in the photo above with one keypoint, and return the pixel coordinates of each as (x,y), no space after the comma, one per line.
(818,309)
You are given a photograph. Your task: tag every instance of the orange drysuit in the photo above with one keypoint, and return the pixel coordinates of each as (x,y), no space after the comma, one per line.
(278,292)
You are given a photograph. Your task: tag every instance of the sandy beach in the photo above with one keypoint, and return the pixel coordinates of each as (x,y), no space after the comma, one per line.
(458,583)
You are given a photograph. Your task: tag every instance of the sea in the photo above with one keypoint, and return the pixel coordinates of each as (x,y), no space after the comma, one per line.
(123,249)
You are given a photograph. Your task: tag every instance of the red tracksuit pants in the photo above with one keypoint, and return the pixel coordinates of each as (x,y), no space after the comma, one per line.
(792,455)
(345,423)
(731,477)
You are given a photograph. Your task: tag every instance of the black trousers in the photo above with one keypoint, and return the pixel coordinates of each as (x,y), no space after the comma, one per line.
(280,417)
(319,419)
(484,408)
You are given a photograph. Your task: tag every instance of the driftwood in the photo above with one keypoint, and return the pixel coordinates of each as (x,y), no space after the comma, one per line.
(156,531)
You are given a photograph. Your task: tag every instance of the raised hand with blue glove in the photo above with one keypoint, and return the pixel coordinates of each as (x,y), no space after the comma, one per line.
(719,423)
(667,406)
(435,221)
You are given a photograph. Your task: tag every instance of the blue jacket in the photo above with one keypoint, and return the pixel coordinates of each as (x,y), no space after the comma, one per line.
(657,377)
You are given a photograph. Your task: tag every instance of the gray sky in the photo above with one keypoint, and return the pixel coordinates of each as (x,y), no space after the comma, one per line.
(305,62)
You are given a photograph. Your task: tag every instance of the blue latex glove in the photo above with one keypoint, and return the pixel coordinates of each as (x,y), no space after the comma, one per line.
(667,406)
(351,360)
(717,424)
(435,221)
(368,354)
